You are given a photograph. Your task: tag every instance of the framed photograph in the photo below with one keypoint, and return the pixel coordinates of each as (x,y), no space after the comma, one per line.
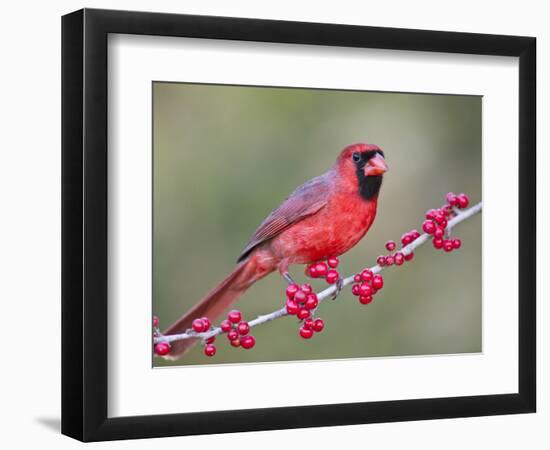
(272,224)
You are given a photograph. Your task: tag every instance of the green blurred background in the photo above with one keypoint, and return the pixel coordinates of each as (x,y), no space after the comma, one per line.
(225,156)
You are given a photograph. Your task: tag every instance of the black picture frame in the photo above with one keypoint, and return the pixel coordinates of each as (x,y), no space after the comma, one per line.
(84,224)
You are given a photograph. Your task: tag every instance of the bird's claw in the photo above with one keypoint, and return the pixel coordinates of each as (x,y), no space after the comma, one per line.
(288,278)
(339,285)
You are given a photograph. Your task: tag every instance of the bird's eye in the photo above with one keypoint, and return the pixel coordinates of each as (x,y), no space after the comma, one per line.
(356,157)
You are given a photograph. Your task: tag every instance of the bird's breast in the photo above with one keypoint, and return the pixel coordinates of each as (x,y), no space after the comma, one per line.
(332,231)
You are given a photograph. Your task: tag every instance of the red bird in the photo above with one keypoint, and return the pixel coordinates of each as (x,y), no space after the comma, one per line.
(324,217)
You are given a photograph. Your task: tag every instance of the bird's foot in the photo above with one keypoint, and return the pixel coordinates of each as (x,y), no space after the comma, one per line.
(339,285)
(288,278)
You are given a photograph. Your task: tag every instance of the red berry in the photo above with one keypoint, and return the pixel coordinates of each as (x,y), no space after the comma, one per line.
(457,243)
(303,313)
(381,260)
(318,325)
(390,246)
(300,296)
(234,316)
(463,200)
(311,271)
(428,226)
(406,239)
(236,342)
(409,256)
(451,199)
(414,234)
(332,276)
(438,243)
(321,269)
(333,262)
(374,291)
(399,258)
(389,260)
(377,282)
(207,323)
(430,214)
(162,348)
(306,333)
(292,307)
(439,232)
(155,321)
(232,335)
(308,323)
(356,290)
(211,340)
(225,326)
(365,289)
(290,292)
(198,325)
(248,341)
(366,275)
(306,288)
(365,299)
(448,245)
(357,278)
(311,302)
(210,350)
(443,222)
(243,328)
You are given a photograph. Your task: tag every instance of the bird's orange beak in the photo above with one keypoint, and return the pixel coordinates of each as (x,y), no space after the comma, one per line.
(376,166)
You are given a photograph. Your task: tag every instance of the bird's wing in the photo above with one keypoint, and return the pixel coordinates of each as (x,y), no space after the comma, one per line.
(306,200)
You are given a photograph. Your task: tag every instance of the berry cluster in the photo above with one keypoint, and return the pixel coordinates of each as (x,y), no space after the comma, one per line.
(366,285)
(398,258)
(237,330)
(437,219)
(324,270)
(301,302)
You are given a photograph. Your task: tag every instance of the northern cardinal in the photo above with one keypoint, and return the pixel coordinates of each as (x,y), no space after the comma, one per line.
(324,217)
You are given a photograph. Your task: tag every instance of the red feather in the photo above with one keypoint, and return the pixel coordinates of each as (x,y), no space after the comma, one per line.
(306,200)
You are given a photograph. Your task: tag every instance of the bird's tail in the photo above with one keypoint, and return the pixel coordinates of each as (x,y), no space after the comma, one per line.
(213,304)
